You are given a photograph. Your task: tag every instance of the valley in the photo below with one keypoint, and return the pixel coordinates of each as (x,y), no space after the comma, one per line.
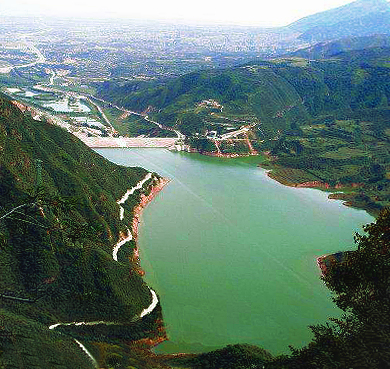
(263,150)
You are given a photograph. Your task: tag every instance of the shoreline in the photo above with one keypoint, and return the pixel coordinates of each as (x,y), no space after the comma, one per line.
(144,201)
(134,259)
(228,156)
(346,193)
(324,261)
(137,213)
(313,184)
(321,264)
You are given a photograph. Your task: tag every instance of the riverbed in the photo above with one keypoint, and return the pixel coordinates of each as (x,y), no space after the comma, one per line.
(232,253)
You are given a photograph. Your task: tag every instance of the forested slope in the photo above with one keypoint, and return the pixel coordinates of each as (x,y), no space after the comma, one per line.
(59,222)
(281,92)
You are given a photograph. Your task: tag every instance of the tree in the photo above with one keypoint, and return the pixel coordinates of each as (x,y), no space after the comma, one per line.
(362,281)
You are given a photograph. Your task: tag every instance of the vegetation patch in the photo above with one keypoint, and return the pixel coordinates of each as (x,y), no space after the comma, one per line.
(59,223)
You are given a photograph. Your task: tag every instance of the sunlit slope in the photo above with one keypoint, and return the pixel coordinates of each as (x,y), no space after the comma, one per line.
(244,93)
(281,93)
(346,82)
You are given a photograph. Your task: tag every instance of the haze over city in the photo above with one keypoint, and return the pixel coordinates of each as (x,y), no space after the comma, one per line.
(247,12)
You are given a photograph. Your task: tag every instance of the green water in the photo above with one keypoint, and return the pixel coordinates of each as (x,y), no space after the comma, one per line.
(232,253)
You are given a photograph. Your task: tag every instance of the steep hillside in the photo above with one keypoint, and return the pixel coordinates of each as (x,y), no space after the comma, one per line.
(211,99)
(278,93)
(59,224)
(342,84)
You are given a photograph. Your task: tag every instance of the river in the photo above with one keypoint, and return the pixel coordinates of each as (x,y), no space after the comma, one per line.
(232,253)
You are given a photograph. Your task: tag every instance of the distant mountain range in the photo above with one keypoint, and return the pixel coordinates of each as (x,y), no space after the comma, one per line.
(360,18)
(331,48)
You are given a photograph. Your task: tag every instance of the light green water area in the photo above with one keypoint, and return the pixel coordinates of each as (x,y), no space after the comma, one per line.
(232,253)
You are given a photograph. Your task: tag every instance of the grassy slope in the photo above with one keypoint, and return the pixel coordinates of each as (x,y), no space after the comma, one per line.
(347,141)
(26,343)
(279,93)
(246,94)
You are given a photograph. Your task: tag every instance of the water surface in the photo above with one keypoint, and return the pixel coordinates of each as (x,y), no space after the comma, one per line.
(232,253)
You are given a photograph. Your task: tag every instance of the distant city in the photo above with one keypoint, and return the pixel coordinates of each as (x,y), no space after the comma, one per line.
(87,50)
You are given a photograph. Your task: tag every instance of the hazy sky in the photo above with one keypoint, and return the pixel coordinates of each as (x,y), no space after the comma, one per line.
(250,12)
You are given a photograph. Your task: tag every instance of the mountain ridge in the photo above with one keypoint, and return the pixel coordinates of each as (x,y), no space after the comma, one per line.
(327,49)
(359,18)
(346,12)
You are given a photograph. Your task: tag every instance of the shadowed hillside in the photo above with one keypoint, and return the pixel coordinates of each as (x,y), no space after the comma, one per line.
(59,222)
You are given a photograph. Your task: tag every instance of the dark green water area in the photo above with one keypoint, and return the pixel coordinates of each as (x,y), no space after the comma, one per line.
(232,254)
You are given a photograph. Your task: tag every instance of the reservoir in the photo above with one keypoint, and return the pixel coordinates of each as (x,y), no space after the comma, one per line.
(232,253)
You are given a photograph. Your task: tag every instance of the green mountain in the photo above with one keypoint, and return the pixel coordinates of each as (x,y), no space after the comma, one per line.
(325,119)
(279,93)
(59,222)
(346,144)
(214,99)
